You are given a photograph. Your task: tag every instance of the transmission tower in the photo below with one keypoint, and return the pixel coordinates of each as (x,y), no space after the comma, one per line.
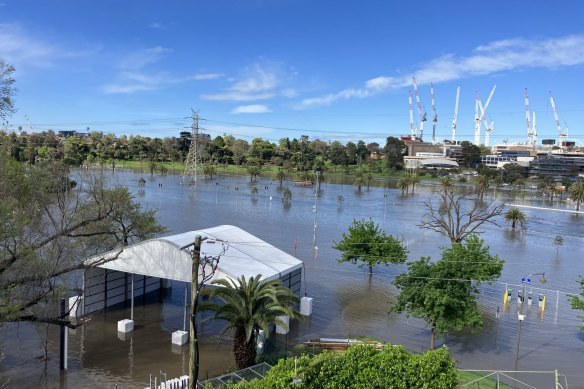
(193,161)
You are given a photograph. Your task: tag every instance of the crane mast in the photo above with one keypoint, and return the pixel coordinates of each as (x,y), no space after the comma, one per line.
(413,131)
(422,114)
(477,130)
(488,129)
(531,136)
(563,134)
(455,114)
(435,117)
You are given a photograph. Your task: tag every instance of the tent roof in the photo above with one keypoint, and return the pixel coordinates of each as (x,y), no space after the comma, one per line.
(170,256)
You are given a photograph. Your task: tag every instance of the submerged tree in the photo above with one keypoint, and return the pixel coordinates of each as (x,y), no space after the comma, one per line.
(248,306)
(47,230)
(576,191)
(366,244)
(457,215)
(444,293)
(515,217)
(578,301)
(482,184)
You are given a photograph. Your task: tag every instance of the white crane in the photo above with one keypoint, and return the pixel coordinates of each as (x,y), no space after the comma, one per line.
(435,115)
(563,134)
(478,120)
(529,123)
(488,128)
(422,114)
(413,130)
(455,115)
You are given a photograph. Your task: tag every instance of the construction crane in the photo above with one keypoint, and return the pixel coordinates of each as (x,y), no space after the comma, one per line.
(488,128)
(478,119)
(563,134)
(435,116)
(530,129)
(422,114)
(413,130)
(533,131)
(455,115)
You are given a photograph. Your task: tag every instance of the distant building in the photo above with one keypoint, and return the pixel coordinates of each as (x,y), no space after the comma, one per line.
(561,164)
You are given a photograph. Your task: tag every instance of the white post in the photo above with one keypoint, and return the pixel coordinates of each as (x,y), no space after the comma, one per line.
(557,303)
(132,299)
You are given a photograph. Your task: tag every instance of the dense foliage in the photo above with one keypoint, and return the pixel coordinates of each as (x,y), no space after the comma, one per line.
(367,244)
(361,367)
(578,301)
(49,226)
(444,293)
(7,89)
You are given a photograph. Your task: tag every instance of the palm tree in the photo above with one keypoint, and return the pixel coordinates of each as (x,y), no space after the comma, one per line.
(248,306)
(359,181)
(368,179)
(446,184)
(404,184)
(281,175)
(413,180)
(515,217)
(482,183)
(577,193)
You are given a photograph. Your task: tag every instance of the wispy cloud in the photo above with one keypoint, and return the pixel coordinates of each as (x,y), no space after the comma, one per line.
(259,82)
(493,57)
(207,76)
(253,108)
(155,25)
(22,49)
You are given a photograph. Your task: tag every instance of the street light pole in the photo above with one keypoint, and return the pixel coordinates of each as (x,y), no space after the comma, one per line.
(520,316)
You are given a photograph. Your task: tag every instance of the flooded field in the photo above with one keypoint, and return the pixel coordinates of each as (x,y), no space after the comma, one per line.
(347,302)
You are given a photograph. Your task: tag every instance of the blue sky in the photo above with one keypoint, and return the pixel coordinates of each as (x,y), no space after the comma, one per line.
(282,68)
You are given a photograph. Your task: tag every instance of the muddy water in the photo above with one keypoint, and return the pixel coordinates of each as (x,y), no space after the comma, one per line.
(347,302)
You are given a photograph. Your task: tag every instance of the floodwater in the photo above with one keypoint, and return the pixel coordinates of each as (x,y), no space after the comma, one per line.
(347,301)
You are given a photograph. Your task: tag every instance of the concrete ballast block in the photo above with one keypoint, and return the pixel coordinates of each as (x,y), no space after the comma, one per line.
(126,325)
(76,306)
(180,337)
(306,306)
(280,329)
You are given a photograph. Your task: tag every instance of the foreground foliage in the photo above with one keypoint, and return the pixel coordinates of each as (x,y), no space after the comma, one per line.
(48,227)
(578,301)
(361,366)
(248,306)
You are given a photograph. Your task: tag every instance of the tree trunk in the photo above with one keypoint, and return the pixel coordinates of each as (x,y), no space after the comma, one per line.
(370,269)
(433,338)
(513,223)
(193,337)
(244,352)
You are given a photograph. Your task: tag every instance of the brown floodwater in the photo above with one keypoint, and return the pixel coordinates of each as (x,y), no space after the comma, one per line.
(347,302)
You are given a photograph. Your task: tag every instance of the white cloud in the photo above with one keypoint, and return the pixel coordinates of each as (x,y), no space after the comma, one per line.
(259,82)
(23,50)
(493,57)
(207,76)
(253,108)
(155,25)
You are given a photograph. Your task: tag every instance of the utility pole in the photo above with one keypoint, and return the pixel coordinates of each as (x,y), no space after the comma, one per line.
(193,161)
(193,340)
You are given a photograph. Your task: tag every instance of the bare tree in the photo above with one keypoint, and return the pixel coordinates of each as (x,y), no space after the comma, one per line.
(458,214)
(7,90)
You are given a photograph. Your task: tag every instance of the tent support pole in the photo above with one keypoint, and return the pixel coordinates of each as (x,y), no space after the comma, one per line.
(132,299)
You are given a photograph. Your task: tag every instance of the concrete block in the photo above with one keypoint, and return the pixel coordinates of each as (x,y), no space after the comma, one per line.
(180,337)
(306,306)
(283,330)
(126,325)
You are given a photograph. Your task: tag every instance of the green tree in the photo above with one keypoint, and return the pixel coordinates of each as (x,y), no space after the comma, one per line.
(394,153)
(254,170)
(471,154)
(7,90)
(515,217)
(281,175)
(413,180)
(482,185)
(367,244)
(576,191)
(404,184)
(444,293)
(359,181)
(578,301)
(47,229)
(248,306)
(209,170)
